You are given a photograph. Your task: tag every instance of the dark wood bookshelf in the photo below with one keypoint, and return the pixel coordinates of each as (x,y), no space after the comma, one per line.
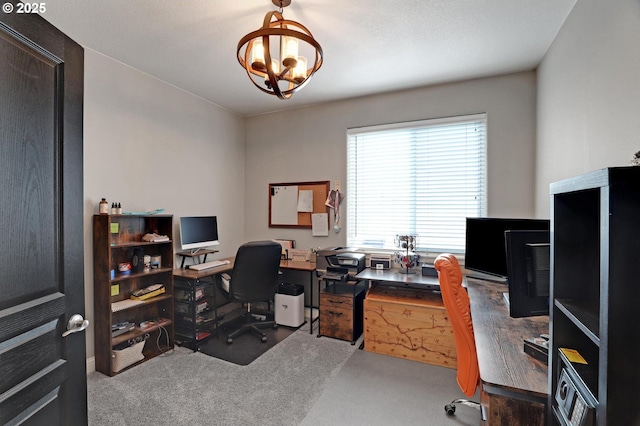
(117,239)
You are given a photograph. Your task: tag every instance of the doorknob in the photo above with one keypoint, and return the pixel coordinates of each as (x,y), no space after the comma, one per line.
(76,323)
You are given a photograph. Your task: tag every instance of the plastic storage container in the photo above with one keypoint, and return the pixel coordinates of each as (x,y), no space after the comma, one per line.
(289,303)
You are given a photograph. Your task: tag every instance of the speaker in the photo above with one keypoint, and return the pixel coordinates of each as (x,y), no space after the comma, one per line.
(137,261)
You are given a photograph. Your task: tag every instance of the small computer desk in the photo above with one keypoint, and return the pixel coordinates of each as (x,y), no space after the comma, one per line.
(514,385)
(310,267)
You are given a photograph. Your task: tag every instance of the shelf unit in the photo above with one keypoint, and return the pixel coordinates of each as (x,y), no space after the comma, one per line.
(595,245)
(117,239)
(195,310)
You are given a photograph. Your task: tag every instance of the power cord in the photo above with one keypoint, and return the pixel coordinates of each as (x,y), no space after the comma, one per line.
(169,351)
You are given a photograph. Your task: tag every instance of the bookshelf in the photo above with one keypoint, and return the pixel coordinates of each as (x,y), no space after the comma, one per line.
(118,239)
(594,233)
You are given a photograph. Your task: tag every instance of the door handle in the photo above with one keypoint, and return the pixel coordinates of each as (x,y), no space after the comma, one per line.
(76,323)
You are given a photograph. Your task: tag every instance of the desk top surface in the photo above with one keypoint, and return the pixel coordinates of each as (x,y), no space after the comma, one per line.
(297,265)
(193,274)
(499,341)
(395,276)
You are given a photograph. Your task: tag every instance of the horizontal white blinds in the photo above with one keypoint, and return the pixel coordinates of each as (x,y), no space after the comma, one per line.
(422,178)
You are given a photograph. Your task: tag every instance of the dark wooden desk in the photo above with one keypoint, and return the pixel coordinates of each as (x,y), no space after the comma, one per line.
(514,385)
(394,277)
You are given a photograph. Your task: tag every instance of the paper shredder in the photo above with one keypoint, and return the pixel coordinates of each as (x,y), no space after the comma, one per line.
(289,305)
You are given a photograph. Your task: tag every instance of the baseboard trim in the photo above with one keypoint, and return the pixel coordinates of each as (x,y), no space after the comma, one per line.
(91,365)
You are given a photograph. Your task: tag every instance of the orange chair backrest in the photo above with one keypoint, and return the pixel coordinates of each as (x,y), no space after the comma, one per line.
(456,301)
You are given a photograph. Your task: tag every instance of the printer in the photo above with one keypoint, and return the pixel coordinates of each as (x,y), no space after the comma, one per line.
(339,263)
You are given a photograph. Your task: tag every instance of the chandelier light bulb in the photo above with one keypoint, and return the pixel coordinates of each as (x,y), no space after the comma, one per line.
(289,52)
(300,71)
(257,54)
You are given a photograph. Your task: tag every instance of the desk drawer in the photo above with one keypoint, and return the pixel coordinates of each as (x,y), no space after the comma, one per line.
(338,301)
(335,322)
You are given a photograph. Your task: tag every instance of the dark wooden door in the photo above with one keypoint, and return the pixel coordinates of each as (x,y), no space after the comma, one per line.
(42,373)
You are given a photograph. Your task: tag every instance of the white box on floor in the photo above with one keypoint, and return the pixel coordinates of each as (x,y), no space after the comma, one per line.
(289,309)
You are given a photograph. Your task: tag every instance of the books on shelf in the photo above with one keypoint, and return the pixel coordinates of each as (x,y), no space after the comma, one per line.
(148,292)
(124,304)
(121,328)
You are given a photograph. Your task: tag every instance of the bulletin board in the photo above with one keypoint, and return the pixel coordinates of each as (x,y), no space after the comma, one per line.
(291,205)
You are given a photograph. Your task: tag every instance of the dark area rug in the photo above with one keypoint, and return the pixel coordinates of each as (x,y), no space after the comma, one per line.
(245,348)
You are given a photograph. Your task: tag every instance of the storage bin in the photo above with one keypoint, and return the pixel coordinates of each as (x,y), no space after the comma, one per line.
(125,357)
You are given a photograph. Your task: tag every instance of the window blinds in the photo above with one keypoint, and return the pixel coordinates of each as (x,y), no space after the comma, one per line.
(419,178)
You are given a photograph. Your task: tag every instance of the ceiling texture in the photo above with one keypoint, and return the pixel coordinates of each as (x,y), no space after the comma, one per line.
(370,46)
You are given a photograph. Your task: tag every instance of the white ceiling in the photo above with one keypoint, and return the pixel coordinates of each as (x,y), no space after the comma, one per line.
(370,46)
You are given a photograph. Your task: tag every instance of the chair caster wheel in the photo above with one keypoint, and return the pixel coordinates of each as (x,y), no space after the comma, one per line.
(229,340)
(264,339)
(450,409)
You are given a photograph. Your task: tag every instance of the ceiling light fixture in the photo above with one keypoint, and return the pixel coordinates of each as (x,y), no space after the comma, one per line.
(278,43)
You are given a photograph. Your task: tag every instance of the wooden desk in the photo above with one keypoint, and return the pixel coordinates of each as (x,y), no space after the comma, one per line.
(514,385)
(310,267)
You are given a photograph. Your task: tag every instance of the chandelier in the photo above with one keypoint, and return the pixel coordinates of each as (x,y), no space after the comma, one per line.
(270,54)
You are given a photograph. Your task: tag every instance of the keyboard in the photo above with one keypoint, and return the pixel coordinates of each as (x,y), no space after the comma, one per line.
(209,265)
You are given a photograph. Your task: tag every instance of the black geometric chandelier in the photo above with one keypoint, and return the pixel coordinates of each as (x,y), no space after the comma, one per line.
(271,56)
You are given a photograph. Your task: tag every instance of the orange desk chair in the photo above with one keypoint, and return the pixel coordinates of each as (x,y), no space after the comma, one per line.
(456,301)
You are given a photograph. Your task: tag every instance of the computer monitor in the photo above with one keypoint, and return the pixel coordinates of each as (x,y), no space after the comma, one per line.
(528,272)
(485,245)
(198,232)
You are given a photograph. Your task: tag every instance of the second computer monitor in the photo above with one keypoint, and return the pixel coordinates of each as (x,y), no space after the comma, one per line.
(528,272)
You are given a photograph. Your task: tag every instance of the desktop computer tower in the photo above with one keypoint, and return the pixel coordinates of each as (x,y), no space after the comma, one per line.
(289,305)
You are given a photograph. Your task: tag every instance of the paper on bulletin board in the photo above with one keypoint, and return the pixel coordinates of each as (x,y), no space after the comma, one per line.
(284,205)
(305,200)
(320,224)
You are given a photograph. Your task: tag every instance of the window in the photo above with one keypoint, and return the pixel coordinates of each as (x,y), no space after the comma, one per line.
(419,178)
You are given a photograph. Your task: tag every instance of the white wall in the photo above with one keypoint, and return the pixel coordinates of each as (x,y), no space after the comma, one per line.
(589,94)
(149,145)
(309,144)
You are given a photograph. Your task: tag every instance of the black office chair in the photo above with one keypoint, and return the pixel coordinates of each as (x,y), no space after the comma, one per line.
(254,279)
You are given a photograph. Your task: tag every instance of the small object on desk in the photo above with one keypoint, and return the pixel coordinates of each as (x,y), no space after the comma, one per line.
(380,261)
(208,265)
(537,348)
(299,255)
(429,270)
